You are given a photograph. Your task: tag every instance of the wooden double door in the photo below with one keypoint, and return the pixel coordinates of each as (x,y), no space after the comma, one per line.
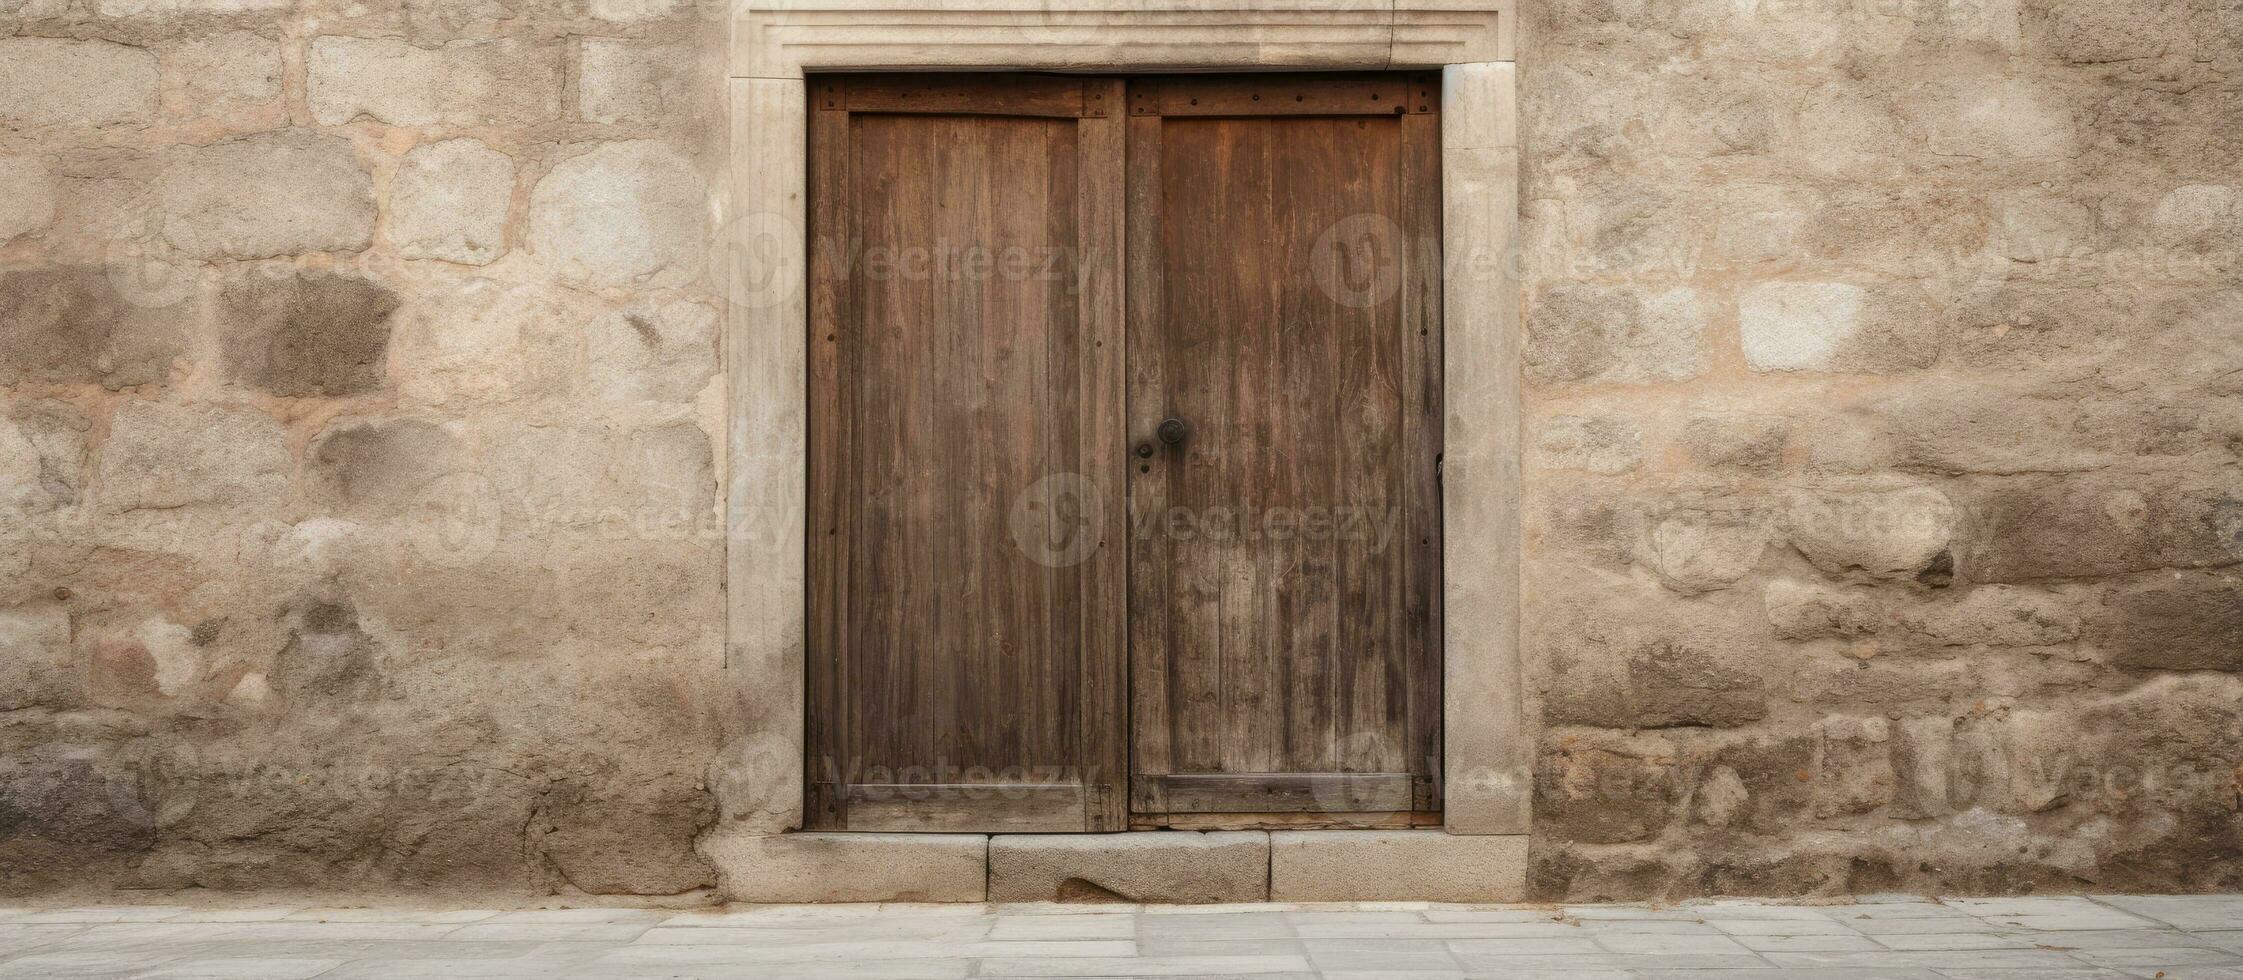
(1124,433)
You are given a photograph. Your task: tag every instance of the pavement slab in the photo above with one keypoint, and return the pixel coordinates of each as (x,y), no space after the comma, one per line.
(2173,937)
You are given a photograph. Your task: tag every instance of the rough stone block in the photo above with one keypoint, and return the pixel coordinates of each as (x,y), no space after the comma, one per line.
(1599,444)
(1881,682)
(463,83)
(1902,234)
(2085,32)
(73,325)
(2188,624)
(1662,682)
(1759,784)
(1395,865)
(1882,533)
(589,476)
(1751,443)
(479,341)
(1997,615)
(2036,225)
(1856,774)
(381,466)
(49,81)
(268,195)
(1922,752)
(2006,117)
(164,456)
(306,336)
(780,868)
(1606,795)
(224,74)
(2085,526)
(663,353)
(1581,332)
(1702,549)
(1615,227)
(1831,326)
(1980,429)
(1156,866)
(632,11)
(624,214)
(68,813)
(29,205)
(450,201)
(633,81)
(37,666)
(329,660)
(2200,216)
(138,9)
(42,453)
(632,842)
(1812,611)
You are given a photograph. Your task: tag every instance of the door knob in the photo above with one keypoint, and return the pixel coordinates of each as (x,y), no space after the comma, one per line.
(1173,431)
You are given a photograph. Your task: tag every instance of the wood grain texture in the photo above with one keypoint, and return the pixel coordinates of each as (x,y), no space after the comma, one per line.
(1321,820)
(966,313)
(1013,580)
(1026,808)
(1284,566)
(1285,792)
(982,95)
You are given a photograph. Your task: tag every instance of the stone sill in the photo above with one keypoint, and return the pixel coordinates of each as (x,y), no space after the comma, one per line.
(1149,867)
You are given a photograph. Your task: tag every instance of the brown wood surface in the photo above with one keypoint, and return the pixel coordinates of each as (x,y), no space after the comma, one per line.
(1379,820)
(1360,792)
(991,651)
(986,95)
(965,417)
(1027,808)
(1283,276)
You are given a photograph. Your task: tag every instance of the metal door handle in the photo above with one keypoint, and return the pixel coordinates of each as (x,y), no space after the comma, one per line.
(1173,431)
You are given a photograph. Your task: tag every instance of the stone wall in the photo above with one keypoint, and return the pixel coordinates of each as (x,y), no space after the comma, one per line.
(1885,382)
(359,379)
(357,470)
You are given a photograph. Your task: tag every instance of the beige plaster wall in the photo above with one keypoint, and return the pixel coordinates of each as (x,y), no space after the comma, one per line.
(1885,398)
(359,401)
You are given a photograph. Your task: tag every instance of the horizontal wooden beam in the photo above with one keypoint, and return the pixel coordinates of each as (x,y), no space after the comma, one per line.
(1284,95)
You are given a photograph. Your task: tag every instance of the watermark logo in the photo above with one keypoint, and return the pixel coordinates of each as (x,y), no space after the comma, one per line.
(1056,521)
(457,520)
(1357,261)
(762,261)
(149,275)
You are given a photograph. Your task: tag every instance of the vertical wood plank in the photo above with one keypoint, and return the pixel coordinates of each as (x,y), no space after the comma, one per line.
(1148,567)
(825,736)
(1422,332)
(1100,259)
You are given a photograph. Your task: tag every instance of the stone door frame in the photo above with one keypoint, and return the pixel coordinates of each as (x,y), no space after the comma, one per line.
(763,253)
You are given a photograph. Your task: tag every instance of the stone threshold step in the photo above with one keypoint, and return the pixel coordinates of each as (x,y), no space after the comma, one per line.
(1151,867)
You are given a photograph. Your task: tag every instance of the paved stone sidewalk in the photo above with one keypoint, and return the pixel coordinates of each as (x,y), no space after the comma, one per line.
(2179,938)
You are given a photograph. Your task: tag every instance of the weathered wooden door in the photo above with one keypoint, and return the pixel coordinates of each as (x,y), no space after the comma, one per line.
(1285,397)
(1124,421)
(967,662)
